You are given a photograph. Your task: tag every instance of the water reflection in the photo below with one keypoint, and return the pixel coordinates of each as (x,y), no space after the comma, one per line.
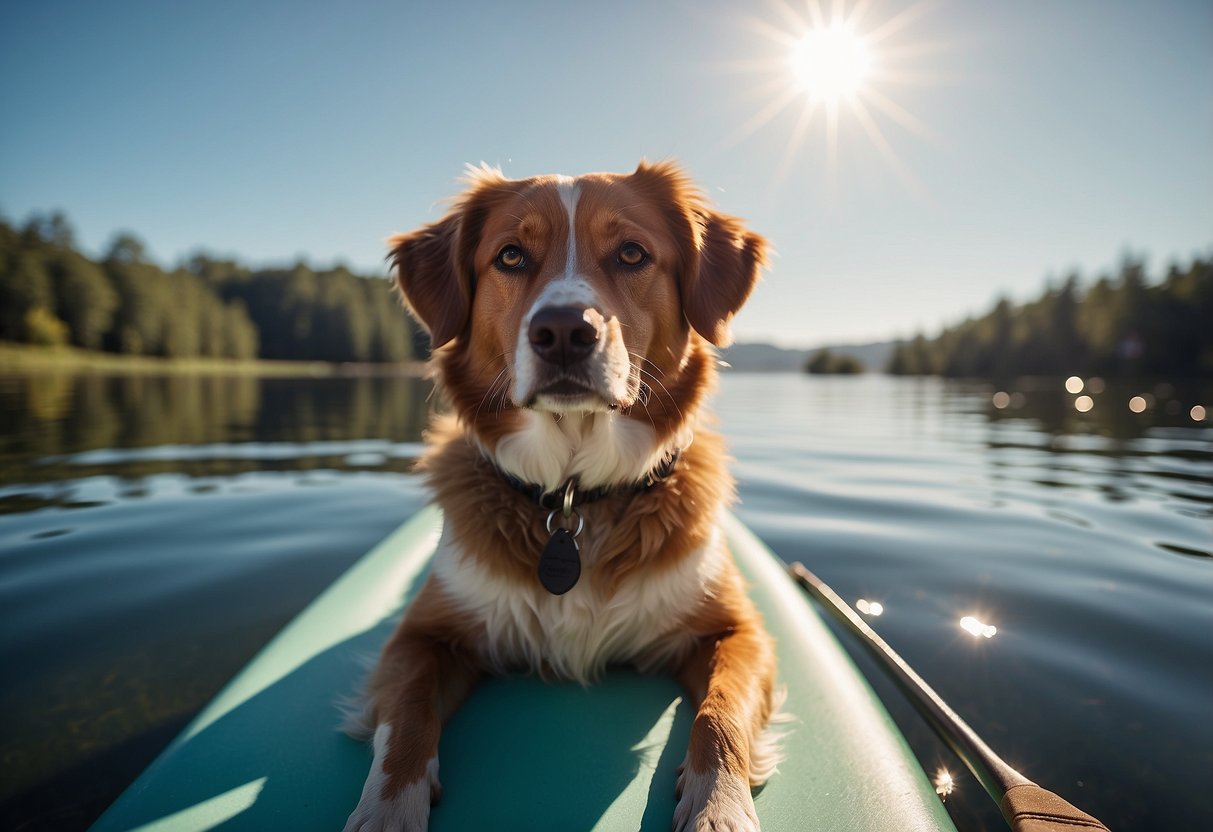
(1100,410)
(202,425)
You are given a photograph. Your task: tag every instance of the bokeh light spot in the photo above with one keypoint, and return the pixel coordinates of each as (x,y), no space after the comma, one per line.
(873,608)
(977,628)
(944,784)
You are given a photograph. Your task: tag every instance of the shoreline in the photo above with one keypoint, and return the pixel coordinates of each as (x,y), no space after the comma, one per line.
(23,358)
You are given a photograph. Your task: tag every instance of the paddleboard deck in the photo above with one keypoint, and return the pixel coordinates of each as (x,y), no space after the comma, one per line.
(521,754)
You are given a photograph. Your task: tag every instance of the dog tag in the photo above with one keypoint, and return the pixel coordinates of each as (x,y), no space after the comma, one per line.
(560,563)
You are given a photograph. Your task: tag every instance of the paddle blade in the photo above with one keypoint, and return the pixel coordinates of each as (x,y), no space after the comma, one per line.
(1029,808)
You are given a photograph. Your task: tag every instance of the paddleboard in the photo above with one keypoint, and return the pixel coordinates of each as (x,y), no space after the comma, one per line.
(522,754)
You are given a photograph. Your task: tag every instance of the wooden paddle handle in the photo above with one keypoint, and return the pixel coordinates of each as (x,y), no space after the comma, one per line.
(1029,808)
(1026,806)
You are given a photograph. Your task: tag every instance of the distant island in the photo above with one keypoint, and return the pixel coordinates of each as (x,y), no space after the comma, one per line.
(824,362)
(767,358)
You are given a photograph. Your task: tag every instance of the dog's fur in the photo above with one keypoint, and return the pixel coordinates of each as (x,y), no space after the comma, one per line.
(600,395)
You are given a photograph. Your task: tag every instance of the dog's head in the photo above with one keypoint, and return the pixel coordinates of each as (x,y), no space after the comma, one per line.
(584,300)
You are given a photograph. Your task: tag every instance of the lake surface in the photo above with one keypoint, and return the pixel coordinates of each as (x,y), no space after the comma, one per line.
(156,532)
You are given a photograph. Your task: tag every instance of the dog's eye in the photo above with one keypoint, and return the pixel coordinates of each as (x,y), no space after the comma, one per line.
(510,258)
(632,255)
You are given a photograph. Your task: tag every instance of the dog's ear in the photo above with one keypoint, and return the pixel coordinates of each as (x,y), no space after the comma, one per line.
(730,258)
(434,282)
(721,259)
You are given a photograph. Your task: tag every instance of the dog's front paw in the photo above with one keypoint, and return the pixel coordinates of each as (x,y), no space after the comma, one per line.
(715,801)
(406,811)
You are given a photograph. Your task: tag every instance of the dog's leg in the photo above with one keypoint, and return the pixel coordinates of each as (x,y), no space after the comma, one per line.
(420,681)
(730,678)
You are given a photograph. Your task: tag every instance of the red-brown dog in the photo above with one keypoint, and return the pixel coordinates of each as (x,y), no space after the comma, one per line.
(571,322)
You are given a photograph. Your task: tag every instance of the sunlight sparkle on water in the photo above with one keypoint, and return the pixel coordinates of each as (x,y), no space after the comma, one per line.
(872,608)
(977,628)
(944,784)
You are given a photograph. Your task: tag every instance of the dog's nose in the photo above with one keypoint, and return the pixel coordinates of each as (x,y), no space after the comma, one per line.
(562,335)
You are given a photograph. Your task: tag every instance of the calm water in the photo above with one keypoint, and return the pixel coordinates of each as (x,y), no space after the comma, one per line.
(155,532)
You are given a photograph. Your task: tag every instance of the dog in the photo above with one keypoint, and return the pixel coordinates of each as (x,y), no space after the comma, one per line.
(573,323)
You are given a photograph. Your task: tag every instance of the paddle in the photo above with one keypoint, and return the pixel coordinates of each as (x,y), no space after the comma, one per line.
(1026,806)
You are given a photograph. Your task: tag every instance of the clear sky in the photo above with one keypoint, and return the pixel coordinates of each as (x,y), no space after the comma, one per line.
(995,143)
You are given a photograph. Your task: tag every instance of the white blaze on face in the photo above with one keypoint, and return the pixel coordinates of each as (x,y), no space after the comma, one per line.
(607,369)
(569,194)
(600,448)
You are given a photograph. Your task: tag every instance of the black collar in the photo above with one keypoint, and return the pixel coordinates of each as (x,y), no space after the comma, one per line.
(552,500)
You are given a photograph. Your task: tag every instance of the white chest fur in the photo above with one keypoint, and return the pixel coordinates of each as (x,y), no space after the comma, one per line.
(576,635)
(597,448)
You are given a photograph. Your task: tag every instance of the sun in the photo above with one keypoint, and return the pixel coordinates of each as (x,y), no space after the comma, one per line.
(831,63)
(837,70)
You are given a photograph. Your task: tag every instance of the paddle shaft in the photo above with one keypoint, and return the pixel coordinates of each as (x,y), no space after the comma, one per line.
(1025,805)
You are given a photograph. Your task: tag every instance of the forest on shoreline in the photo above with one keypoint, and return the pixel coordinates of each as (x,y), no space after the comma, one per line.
(1122,326)
(51,294)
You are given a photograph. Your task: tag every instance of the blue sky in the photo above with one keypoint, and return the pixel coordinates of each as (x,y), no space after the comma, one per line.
(1015,141)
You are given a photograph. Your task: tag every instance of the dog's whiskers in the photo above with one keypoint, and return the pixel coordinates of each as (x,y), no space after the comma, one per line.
(486,397)
(652,380)
(489,391)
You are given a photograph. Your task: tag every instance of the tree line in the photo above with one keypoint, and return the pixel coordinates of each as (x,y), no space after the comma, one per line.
(52,294)
(1123,325)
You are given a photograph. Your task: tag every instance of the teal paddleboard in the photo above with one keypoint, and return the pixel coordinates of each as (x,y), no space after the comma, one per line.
(521,754)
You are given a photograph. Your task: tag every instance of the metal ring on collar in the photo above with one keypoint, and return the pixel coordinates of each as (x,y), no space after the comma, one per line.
(568,499)
(580,521)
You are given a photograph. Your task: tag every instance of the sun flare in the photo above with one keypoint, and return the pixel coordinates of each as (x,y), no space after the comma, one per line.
(836,71)
(831,63)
